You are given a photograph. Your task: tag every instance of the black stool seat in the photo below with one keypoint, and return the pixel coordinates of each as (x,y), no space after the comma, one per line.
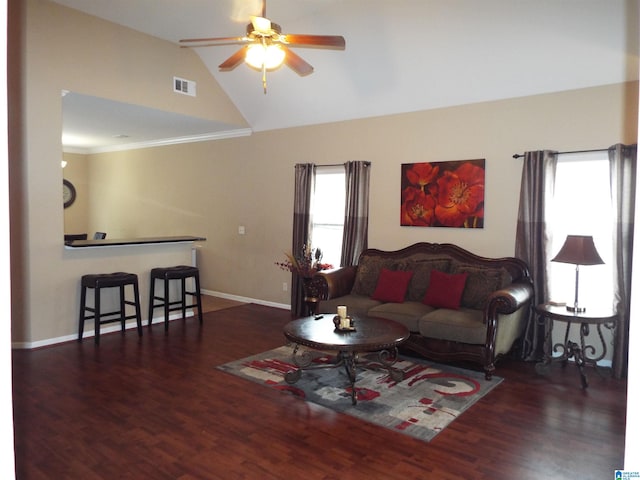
(108,280)
(166,274)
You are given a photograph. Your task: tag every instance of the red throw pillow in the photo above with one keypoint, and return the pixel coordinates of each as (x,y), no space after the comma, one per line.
(445,290)
(392,286)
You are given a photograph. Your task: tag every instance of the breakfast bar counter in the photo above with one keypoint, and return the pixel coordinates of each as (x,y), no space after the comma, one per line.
(72,244)
(135,256)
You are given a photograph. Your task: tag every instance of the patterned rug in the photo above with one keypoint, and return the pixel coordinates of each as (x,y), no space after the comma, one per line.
(421,405)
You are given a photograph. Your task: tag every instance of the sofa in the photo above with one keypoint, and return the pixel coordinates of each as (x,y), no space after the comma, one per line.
(457,306)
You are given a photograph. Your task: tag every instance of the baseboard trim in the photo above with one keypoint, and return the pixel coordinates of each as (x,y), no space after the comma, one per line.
(129,324)
(239,298)
(600,363)
(132,324)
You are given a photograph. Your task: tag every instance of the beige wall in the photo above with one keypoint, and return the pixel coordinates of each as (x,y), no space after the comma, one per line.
(63,49)
(211,188)
(76,216)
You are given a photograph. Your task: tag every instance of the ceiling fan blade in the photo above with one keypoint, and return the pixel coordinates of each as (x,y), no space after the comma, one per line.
(322,41)
(212,41)
(234,60)
(297,63)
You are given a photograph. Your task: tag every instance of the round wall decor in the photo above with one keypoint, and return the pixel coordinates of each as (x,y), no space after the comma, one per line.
(68,193)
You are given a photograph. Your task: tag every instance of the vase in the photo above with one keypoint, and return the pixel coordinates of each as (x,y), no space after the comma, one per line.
(311,295)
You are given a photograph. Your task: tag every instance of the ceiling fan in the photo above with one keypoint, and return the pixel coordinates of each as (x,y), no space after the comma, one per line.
(266,48)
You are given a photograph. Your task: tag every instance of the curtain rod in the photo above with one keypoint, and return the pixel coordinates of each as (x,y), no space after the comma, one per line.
(366,163)
(518,155)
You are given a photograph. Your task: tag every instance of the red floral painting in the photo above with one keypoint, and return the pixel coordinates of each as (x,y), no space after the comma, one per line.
(443,194)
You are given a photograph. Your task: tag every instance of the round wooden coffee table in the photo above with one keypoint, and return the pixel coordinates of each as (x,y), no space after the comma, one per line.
(372,335)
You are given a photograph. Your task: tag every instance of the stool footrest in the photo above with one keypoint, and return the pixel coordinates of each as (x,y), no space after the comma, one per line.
(179,307)
(110,320)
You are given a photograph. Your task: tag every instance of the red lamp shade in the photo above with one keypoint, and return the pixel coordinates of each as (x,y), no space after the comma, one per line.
(579,250)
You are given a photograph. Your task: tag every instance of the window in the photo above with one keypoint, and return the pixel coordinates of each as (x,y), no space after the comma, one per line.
(327,212)
(581,205)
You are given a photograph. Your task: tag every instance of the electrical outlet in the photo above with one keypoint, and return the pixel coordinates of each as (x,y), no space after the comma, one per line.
(285,286)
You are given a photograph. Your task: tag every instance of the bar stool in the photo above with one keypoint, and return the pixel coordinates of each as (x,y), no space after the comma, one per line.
(108,280)
(182,273)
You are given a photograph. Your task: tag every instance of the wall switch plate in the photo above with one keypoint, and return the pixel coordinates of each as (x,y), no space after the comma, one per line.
(285,286)
(241,230)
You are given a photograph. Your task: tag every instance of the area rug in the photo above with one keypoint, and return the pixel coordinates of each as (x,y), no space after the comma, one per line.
(428,399)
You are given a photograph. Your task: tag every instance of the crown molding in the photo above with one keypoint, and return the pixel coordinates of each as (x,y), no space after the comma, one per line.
(205,137)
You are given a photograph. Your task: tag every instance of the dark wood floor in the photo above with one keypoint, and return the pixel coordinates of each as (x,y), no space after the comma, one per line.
(157,408)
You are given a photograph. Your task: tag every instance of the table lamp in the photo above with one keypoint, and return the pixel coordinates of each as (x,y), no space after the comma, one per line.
(578,250)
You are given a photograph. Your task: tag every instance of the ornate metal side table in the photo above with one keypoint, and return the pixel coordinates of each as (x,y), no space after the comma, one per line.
(583,353)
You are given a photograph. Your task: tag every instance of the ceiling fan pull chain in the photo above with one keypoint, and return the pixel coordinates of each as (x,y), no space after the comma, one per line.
(264,78)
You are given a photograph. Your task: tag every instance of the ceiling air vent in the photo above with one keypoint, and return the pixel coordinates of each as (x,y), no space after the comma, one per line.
(186,87)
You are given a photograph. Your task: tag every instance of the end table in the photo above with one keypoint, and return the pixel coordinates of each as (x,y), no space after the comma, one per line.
(582,353)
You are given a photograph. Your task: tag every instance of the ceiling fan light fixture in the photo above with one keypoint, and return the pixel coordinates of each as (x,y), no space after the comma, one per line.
(261,56)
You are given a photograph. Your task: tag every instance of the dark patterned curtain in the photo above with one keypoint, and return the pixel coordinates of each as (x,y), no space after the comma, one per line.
(532,237)
(356,219)
(305,174)
(622,168)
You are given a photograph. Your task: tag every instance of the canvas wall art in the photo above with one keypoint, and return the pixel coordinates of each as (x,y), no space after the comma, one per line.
(443,194)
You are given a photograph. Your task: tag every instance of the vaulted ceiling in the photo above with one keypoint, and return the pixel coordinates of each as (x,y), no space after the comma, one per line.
(401,55)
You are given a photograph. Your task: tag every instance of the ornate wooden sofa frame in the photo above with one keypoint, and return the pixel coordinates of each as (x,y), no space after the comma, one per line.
(491,317)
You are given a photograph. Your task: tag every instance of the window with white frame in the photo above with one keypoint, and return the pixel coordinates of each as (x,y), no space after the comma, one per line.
(327,212)
(581,205)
